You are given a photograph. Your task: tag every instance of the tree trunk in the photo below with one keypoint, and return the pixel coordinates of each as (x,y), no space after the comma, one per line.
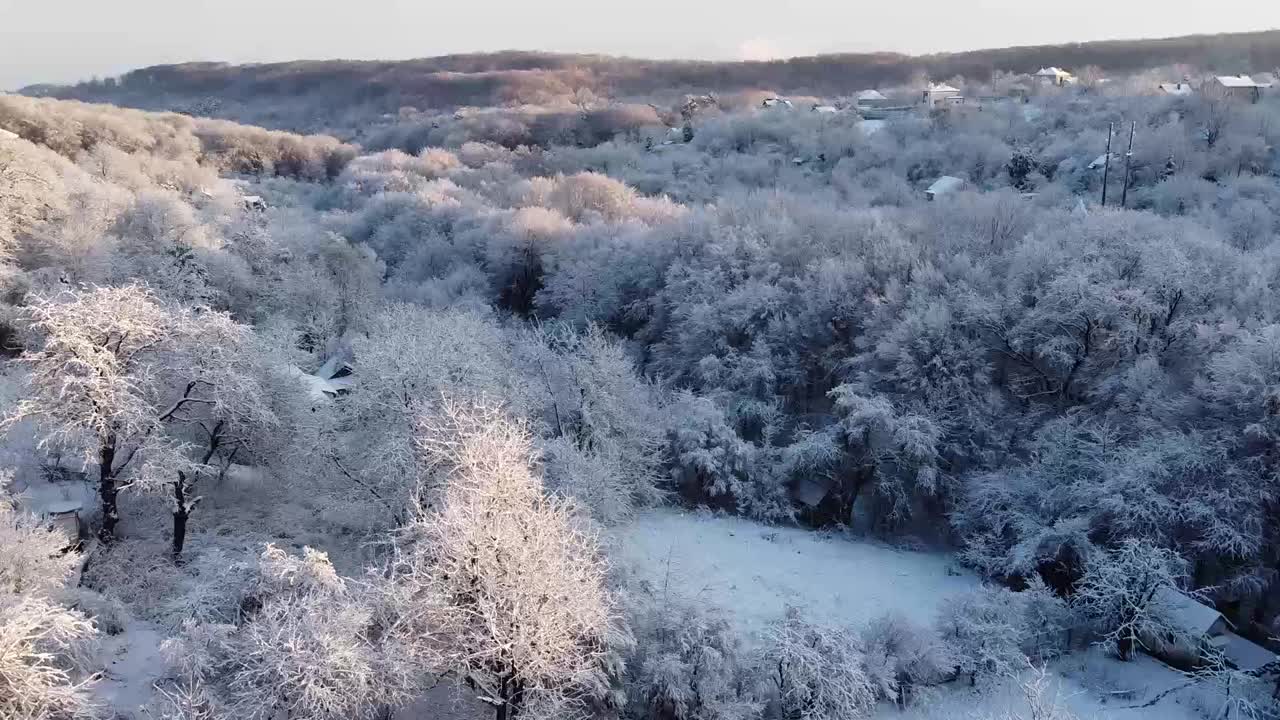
(107,489)
(1124,646)
(180,515)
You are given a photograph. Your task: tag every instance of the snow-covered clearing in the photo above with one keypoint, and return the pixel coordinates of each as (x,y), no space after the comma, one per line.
(755,571)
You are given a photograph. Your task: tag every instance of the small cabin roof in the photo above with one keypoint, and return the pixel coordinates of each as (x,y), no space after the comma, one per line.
(871,95)
(1101,160)
(825,109)
(1052,71)
(1243,654)
(1237,81)
(1184,613)
(1175,88)
(336,366)
(62,507)
(945,184)
(943,87)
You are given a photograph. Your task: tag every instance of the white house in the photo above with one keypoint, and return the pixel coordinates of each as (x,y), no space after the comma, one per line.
(1239,87)
(939,94)
(943,186)
(1054,76)
(777,103)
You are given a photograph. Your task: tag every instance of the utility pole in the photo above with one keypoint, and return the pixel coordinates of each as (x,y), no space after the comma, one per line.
(1106,162)
(1124,193)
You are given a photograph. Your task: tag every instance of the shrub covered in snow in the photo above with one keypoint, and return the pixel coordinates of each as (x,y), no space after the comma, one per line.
(983,631)
(902,656)
(688,663)
(817,673)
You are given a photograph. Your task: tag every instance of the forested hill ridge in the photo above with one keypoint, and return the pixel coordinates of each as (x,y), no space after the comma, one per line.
(319,95)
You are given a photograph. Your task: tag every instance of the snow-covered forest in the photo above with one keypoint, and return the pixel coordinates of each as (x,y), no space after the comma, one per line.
(686,408)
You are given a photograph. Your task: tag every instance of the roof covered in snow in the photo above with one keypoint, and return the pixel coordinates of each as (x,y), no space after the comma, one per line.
(1241,653)
(1052,71)
(1101,160)
(871,96)
(945,184)
(1238,81)
(941,87)
(321,389)
(1175,88)
(826,109)
(1185,613)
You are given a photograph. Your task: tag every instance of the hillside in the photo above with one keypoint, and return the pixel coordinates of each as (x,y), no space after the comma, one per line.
(289,95)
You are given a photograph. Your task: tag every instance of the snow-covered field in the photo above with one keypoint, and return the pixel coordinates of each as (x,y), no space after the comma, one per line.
(755,571)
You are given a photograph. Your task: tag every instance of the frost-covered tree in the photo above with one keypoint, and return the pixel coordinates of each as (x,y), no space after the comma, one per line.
(44,649)
(111,368)
(688,662)
(311,647)
(983,630)
(512,585)
(34,560)
(1120,593)
(896,452)
(605,423)
(44,646)
(818,673)
(399,377)
(902,656)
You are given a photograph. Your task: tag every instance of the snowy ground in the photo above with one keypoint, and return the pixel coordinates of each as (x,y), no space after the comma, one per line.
(755,571)
(131,664)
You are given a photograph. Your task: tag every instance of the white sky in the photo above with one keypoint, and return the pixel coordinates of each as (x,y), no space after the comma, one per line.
(68,40)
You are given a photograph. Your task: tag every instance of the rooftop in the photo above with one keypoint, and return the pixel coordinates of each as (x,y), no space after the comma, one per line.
(1238,81)
(945,184)
(1184,613)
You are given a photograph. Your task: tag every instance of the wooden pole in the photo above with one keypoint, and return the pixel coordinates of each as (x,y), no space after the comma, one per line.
(1106,163)
(1124,192)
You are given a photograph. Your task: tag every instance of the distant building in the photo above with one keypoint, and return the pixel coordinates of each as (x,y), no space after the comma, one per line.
(777,103)
(871,99)
(1178,88)
(253,202)
(826,109)
(944,186)
(1235,87)
(1055,77)
(938,94)
(1100,162)
(64,519)
(1197,633)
